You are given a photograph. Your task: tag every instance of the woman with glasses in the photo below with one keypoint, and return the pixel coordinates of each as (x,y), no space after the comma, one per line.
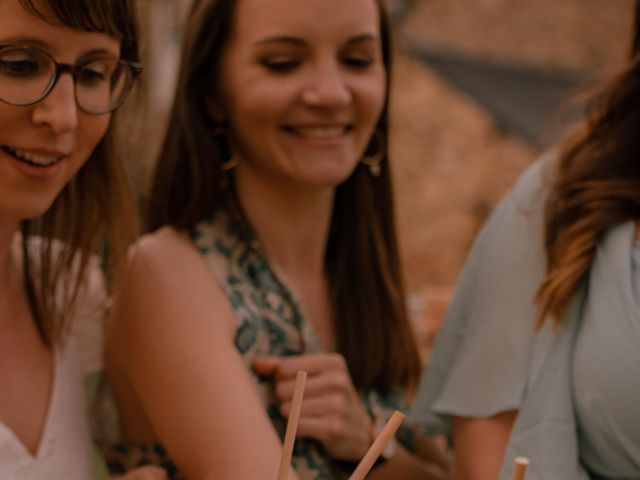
(64,68)
(273,251)
(540,349)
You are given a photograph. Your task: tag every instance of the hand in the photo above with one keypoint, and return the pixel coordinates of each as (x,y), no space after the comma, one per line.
(332,411)
(149,472)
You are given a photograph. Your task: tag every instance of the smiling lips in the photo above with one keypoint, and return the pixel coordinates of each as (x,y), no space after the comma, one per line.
(319,132)
(34,159)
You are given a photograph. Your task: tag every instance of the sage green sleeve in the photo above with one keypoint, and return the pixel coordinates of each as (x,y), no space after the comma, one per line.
(483,353)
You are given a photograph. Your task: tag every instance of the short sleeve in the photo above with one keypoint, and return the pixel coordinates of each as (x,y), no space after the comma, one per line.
(483,354)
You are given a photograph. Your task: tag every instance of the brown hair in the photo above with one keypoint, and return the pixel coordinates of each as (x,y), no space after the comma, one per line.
(596,184)
(95,206)
(362,261)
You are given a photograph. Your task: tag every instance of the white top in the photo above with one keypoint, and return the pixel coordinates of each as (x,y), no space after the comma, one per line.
(65,451)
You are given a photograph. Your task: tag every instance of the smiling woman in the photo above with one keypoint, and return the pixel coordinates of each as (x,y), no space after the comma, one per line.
(63,69)
(272,250)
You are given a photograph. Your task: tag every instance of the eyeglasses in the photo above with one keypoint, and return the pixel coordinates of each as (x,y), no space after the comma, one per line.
(28,74)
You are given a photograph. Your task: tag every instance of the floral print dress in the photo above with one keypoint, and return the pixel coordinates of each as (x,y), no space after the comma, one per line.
(269,322)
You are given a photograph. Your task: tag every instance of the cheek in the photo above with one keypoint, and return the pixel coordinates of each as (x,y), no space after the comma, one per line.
(255,114)
(93,130)
(378,95)
(372,93)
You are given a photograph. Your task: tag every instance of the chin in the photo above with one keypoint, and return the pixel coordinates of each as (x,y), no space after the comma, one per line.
(328,181)
(34,209)
(332,177)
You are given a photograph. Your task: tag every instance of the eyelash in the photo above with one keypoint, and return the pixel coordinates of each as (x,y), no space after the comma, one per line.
(280,66)
(286,66)
(359,63)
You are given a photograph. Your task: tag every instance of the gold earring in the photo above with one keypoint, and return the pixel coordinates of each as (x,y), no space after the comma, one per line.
(374,160)
(229,164)
(222,139)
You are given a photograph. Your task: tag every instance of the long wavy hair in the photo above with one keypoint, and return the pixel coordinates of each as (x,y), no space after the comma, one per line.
(362,260)
(596,184)
(96,207)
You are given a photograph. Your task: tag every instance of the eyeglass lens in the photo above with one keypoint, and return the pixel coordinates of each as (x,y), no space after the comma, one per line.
(27,75)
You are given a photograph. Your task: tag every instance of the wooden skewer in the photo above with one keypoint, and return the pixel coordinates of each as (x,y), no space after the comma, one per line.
(292,426)
(520,465)
(377,446)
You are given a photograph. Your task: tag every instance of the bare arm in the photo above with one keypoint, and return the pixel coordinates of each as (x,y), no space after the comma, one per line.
(171,339)
(480,444)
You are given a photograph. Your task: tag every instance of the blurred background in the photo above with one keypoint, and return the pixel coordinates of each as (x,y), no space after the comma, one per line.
(480,89)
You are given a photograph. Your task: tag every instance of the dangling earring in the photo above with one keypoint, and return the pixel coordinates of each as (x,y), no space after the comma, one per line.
(221,137)
(374,153)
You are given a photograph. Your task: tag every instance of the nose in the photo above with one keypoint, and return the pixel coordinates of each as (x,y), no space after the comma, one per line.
(327,87)
(58,109)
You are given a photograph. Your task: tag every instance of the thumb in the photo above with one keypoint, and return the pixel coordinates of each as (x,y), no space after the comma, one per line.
(266,366)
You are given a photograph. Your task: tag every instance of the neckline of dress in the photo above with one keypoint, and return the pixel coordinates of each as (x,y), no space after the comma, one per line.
(17,445)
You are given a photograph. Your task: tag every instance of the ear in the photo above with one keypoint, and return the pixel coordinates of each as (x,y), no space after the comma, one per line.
(216,112)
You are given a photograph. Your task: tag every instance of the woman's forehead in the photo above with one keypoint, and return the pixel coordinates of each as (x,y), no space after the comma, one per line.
(257,18)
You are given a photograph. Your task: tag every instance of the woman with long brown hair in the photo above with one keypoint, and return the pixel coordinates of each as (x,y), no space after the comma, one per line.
(273,250)
(539,352)
(64,68)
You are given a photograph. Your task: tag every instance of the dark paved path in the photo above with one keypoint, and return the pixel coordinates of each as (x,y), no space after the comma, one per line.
(531,103)
(528,102)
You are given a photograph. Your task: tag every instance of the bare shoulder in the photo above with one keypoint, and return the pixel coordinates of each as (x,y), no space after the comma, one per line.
(167,284)
(168,260)
(166,248)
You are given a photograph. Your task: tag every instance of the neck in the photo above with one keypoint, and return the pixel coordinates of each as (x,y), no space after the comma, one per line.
(291,222)
(7,265)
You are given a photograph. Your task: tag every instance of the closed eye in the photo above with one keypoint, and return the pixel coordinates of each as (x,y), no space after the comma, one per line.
(19,68)
(281,65)
(357,62)
(90,77)
(22,62)
(96,71)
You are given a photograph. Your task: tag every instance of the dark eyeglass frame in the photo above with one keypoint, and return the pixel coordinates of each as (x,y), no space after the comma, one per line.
(134,68)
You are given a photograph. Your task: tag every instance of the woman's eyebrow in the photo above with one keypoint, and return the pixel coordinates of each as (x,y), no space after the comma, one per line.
(364,37)
(24,40)
(99,52)
(280,39)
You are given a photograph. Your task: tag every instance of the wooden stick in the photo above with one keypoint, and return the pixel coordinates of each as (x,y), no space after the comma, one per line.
(377,446)
(292,426)
(520,465)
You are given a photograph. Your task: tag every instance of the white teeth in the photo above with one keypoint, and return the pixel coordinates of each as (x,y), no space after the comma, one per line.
(322,133)
(40,160)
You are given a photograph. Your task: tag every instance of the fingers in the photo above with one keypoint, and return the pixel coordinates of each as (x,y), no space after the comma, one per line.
(331,411)
(318,384)
(266,366)
(333,404)
(321,429)
(287,367)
